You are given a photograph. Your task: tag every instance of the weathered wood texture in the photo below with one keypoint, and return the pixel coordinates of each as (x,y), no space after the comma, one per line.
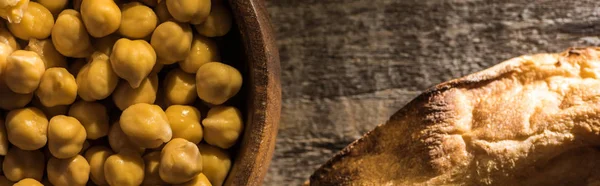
(347,65)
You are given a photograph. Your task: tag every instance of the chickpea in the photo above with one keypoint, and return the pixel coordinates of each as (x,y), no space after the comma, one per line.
(69,36)
(132,60)
(216,163)
(70,171)
(28,182)
(137,21)
(203,50)
(151,176)
(54,6)
(222,126)
(101,17)
(23,71)
(146,125)
(96,80)
(7,38)
(185,122)
(50,111)
(118,141)
(11,100)
(180,87)
(162,12)
(45,49)
(5,51)
(57,87)
(97,156)
(218,22)
(180,161)
(5,182)
(125,96)
(172,41)
(124,169)
(37,23)
(13,10)
(3,138)
(66,136)
(20,164)
(27,128)
(199,180)
(192,11)
(93,116)
(217,82)
(105,44)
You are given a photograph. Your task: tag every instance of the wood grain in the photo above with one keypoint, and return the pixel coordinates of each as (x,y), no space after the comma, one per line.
(348,65)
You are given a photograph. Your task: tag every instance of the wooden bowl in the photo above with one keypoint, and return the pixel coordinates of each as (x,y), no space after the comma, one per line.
(252,43)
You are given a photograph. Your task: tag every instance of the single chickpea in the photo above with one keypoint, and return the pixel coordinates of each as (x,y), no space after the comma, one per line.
(71,171)
(132,60)
(118,141)
(27,128)
(192,11)
(23,71)
(146,125)
(93,116)
(185,122)
(217,82)
(125,96)
(5,51)
(199,180)
(54,6)
(66,136)
(151,176)
(137,21)
(37,23)
(45,49)
(3,138)
(50,111)
(216,163)
(222,126)
(13,10)
(5,182)
(11,100)
(204,50)
(180,161)
(180,87)
(69,36)
(57,87)
(101,17)
(218,22)
(124,169)
(97,156)
(105,44)
(162,12)
(20,164)
(172,41)
(96,80)
(28,182)
(7,38)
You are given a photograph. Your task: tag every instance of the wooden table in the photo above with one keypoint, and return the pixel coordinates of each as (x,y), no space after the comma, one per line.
(347,65)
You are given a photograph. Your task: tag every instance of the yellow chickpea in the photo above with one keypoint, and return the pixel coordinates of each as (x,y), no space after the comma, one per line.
(23,71)
(97,156)
(66,136)
(180,87)
(37,23)
(151,176)
(20,164)
(101,17)
(125,96)
(5,182)
(216,163)
(132,60)
(45,49)
(3,139)
(172,41)
(204,50)
(71,171)
(185,122)
(217,82)
(137,21)
(218,22)
(192,11)
(199,180)
(162,12)
(180,161)
(69,36)
(50,111)
(96,80)
(54,6)
(5,51)
(105,44)
(57,87)
(146,125)
(28,182)
(222,126)
(13,10)
(11,100)
(93,116)
(124,169)
(7,38)
(27,128)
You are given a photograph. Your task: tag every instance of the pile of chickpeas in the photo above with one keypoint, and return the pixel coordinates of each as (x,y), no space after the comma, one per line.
(115,92)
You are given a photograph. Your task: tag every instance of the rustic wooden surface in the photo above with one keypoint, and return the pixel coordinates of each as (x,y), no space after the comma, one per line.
(347,65)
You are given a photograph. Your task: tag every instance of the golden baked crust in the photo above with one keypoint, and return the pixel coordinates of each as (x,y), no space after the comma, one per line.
(531,120)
